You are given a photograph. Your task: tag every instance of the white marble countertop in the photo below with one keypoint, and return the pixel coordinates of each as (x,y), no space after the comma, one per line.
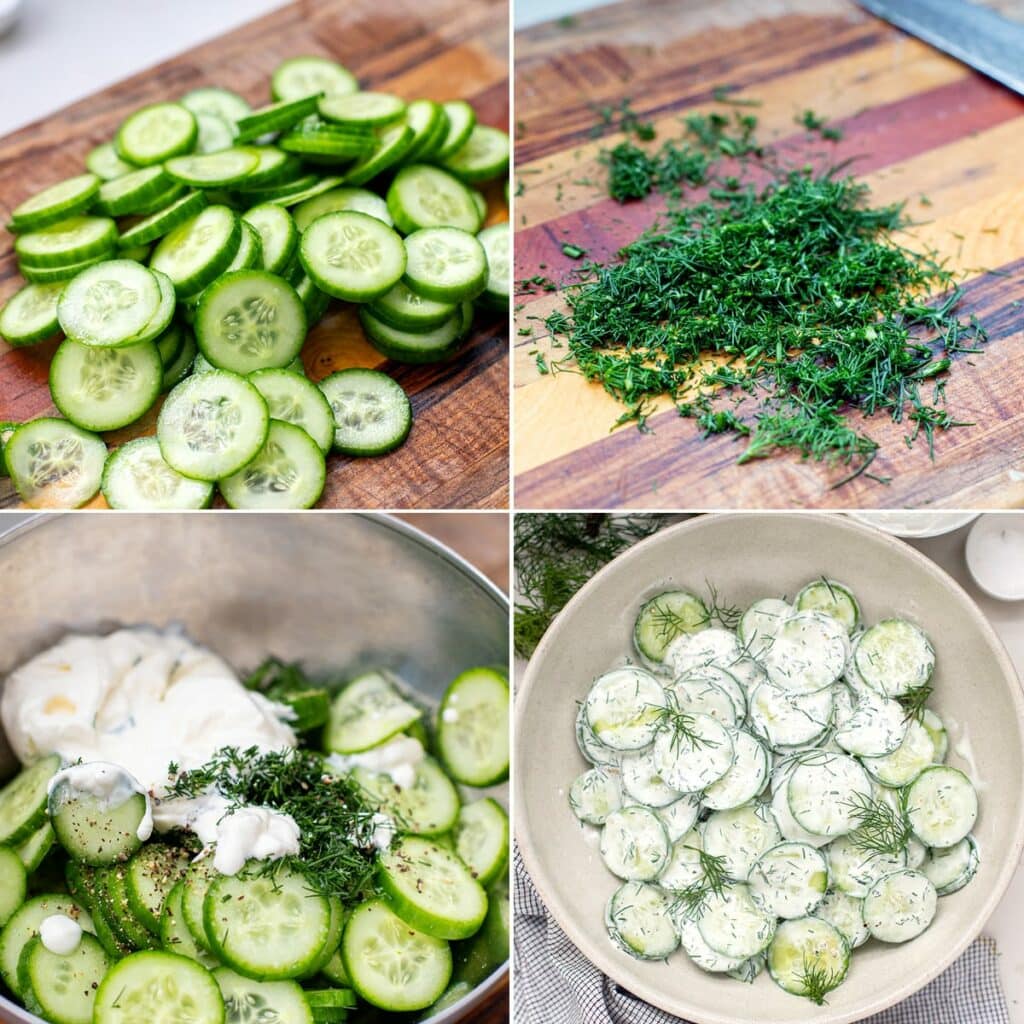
(62,50)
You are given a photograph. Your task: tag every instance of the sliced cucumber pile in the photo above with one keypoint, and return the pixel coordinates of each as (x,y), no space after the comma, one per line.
(209,234)
(770,797)
(147,921)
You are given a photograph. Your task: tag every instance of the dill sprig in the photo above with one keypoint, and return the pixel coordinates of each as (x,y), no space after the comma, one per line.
(818,981)
(879,828)
(556,554)
(914,702)
(682,726)
(726,615)
(714,877)
(818,318)
(334,816)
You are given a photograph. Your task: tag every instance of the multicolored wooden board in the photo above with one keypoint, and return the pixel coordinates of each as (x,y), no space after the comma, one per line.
(457,455)
(915,123)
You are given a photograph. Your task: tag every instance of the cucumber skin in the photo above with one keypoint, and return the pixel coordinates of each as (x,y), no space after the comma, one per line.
(401,354)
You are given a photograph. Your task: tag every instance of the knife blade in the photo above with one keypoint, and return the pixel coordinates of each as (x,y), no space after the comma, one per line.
(985,40)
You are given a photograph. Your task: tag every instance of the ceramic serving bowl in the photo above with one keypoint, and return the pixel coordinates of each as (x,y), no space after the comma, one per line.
(746,557)
(340,592)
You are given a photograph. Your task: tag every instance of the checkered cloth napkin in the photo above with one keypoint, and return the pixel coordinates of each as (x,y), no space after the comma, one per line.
(556,984)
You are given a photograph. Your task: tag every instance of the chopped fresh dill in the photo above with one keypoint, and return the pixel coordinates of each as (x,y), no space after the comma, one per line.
(879,827)
(714,877)
(574,252)
(335,819)
(914,702)
(542,364)
(818,981)
(556,554)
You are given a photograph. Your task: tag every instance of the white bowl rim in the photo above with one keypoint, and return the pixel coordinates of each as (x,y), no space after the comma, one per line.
(611,964)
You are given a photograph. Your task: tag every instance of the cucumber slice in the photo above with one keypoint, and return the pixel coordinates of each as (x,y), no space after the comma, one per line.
(23,926)
(391,965)
(163,221)
(691,651)
(427,197)
(417,346)
(804,948)
(279,237)
(115,882)
(740,836)
(289,472)
(900,906)
(66,243)
(360,200)
(594,795)
(185,992)
(368,711)
(404,310)
(33,851)
(695,695)
(30,314)
(733,925)
(176,372)
(111,304)
(949,869)
(634,844)
(132,192)
(266,928)
(808,653)
(846,915)
(175,935)
(639,923)
(151,875)
(101,827)
(683,867)
(497,243)
(680,817)
(423,117)
(372,414)
(445,264)
(894,657)
(352,255)
(293,398)
(198,251)
(461,122)
(54,464)
(274,118)
(392,147)
(876,726)
(274,1002)
(853,871)
(831,598)
(906,762)
(219,102)
(214,170)
(700,952)
(484,155)
(624,708)
(473,728)
(212,425)
(429,888)
(641,783)
(789,880)
(430,806)
(665,617)
(362,108)
(482,839)
(275,166)
(58,202)
(62,987)
(298,77)
(105,388)
(13,883)
(745,779)
(104,162)
(215,134)
(155,133)
(326,143)
(60,275)
(941,806)
(823,793)
(760,622)
(784,718)
(250,320)
(692,751)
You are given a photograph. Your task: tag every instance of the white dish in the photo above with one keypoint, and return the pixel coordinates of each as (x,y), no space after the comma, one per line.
(915,524)
(995,555)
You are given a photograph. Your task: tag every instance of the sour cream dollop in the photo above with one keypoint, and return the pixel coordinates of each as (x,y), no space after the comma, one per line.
(398,759)
(60,934)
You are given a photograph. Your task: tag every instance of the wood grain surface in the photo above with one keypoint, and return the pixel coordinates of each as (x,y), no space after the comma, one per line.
(457,455)
(915,123)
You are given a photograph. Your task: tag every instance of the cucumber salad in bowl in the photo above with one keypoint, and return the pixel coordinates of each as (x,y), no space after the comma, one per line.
(234,849)
(770,786)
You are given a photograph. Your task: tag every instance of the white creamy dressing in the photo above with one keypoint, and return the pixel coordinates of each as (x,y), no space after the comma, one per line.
(109,783)
(138,700)
(60,934)
(398,759)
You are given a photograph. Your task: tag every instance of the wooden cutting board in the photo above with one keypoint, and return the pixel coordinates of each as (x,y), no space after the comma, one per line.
(915,122)
(457,455)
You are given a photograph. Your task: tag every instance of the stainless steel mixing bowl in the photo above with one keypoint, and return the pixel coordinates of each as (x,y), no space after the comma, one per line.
(340,591)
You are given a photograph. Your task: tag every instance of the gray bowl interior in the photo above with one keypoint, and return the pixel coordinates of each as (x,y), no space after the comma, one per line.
(746,557)
(339,592)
